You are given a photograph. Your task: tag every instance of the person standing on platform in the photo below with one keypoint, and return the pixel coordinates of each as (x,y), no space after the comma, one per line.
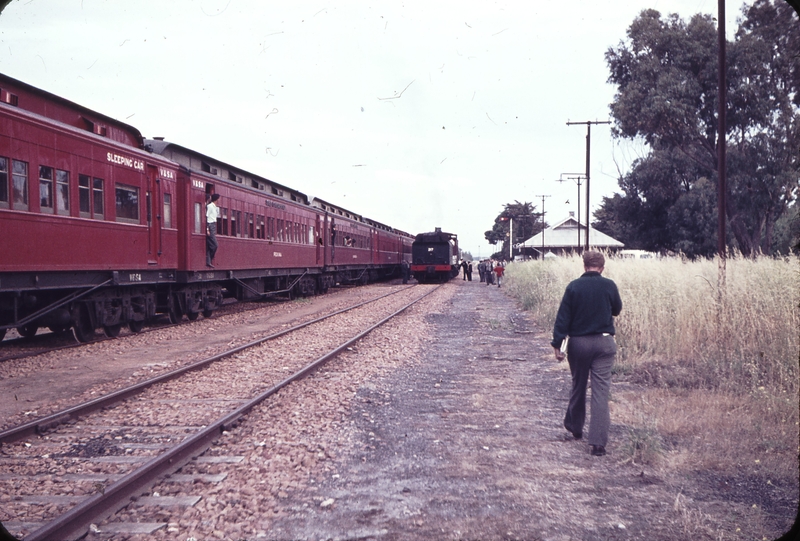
(212,214)
(586,318)
(469,271)
(499,270)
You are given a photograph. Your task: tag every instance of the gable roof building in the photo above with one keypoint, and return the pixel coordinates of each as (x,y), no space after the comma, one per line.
(567,236)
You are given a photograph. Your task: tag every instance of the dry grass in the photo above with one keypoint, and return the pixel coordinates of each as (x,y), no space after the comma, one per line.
(676,319)
(714,374)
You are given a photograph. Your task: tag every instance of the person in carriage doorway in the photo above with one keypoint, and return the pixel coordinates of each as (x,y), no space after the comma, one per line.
(469,271)
(499,270)
(464,268)
(586,316)
(405,267)
(212,214)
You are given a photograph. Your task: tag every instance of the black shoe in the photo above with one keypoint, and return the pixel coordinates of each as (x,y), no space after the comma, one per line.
(577,435)
(598,450)
(209,265)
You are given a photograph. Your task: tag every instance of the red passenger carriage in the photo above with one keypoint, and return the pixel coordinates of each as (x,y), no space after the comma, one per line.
(83,210)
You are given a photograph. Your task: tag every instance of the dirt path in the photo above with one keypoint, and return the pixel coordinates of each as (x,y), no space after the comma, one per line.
(467,443)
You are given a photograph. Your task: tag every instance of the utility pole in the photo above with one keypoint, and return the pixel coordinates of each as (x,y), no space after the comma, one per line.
(588,147)
(510,239)
(722,193)
(722,190)
(543,198)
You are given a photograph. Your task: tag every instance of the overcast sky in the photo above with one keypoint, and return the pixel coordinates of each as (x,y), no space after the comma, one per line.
(418,114)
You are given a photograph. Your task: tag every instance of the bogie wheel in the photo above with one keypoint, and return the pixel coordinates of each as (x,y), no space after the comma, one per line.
(27,331)
(174,311)
(84,331)
(112,331)
(207,313)
(192,315)
(175,317)
(136,326)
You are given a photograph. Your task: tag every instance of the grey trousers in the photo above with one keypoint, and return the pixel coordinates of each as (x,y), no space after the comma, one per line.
(593,355)
(211,243)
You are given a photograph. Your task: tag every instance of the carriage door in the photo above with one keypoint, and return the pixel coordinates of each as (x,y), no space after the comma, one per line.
(318,235)
(152,199)
(333,241)
(375,248)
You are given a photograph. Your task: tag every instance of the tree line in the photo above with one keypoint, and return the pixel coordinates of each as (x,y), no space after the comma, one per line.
(665,73)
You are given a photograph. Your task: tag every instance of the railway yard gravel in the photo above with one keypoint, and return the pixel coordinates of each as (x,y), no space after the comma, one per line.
(443,424)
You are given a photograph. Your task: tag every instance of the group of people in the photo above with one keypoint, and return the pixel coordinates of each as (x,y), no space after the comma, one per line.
(489,270)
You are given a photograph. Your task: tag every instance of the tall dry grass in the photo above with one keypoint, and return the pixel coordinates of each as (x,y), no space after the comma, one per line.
(678,328)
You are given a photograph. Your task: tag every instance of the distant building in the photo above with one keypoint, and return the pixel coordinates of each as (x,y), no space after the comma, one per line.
(565,237)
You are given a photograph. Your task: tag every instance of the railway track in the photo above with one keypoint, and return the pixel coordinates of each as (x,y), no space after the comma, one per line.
(15,348)
(81,464)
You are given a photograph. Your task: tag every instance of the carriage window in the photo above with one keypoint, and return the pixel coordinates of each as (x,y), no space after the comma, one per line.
(62,192)
(260,228)
(46,188)
(148,197)
(84,195)
(250,225)
(270,228)
(19,179)
(311,234)
(127,204)
(246,231)
(232,231)
(223,221)
(3,183)
(198,218)
(167,210)
(97,197)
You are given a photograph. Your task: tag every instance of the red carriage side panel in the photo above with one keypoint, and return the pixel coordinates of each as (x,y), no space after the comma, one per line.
(72,202)
(254,231)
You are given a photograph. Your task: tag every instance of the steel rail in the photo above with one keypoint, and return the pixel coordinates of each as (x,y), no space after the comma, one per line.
(74,523)
(38,426)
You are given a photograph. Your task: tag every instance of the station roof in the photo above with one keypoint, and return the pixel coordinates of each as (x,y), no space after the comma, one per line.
(565,234)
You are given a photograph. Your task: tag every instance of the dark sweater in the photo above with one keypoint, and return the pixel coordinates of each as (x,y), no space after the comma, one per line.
(588,307)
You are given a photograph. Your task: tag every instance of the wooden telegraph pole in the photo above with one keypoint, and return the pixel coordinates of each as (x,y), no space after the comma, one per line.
(588,147)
